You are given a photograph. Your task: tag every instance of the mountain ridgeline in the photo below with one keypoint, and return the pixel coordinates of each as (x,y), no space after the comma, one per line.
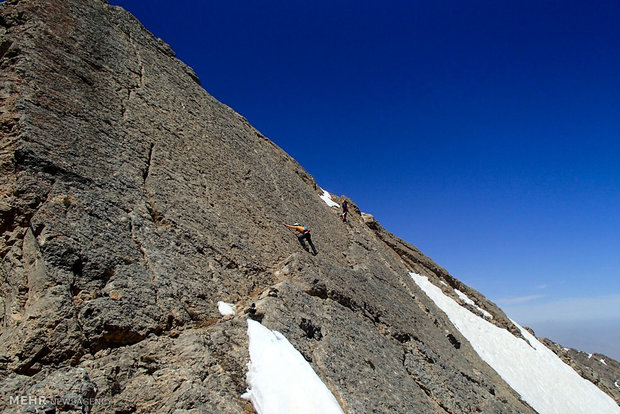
(132,202)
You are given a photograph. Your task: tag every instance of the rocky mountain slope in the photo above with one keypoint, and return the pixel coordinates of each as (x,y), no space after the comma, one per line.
(132,202)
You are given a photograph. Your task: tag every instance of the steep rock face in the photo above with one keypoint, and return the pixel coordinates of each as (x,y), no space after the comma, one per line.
(133,201)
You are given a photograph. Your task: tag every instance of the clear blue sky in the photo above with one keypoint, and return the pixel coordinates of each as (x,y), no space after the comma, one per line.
(486,132)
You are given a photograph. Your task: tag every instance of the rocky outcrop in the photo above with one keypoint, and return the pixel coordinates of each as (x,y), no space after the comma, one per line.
(132,202)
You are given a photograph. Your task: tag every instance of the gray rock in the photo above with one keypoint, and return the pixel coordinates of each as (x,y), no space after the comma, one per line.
(131,202)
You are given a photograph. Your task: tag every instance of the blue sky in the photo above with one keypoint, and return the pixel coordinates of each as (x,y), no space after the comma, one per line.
(485,133)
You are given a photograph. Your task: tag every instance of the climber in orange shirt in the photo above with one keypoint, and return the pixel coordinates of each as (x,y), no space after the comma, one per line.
(304,234)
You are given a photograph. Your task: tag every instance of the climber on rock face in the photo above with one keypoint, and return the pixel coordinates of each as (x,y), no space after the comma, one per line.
(345,211)
(304,234)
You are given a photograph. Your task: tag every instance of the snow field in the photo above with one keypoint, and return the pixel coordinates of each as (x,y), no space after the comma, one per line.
(281,381)
(467,300)
(534,371)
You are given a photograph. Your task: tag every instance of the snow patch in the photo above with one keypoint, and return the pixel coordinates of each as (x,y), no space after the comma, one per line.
(280,380)
(464,297)
(226,308)
(328,199)
(467,300)
(534,371)
(603,362)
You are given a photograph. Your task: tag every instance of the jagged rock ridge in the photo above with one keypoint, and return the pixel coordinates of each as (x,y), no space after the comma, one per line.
(133,201)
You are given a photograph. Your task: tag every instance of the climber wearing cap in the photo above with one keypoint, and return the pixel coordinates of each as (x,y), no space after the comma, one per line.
(304,234)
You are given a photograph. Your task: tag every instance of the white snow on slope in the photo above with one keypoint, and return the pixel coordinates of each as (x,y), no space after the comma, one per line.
(225,308)
(281,381)
(535,372)
(328,199)
(467,300)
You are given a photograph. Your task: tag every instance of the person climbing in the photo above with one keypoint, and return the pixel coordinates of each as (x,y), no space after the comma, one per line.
(304,234)
(345,210)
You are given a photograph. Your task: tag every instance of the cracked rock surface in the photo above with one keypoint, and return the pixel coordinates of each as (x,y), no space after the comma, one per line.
(131,202)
